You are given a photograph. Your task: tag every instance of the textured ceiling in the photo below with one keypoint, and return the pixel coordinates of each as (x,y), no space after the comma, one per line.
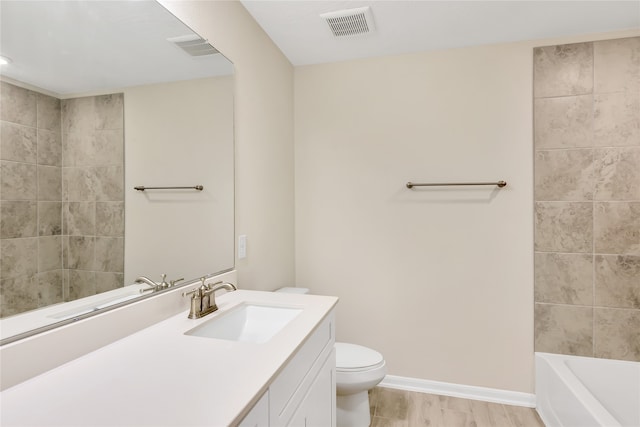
(415,26)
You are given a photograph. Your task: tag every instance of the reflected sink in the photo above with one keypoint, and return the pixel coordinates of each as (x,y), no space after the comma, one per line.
(247,322)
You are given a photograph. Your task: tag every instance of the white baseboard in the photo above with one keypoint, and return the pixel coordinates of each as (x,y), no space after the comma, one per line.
(494,395)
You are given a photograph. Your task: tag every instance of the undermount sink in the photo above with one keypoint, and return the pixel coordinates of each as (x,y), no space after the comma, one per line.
(247,322)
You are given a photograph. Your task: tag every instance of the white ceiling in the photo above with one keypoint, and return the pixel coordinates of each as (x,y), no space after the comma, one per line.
(76,47)
(415,26)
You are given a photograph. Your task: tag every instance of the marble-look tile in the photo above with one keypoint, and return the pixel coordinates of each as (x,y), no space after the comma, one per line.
(80,284)
(77,148)
(108,148)
(49,148)
(78,184)
(563,70)
(19,257)
(65,275)
(109,254)
(49,218)
(107,281)
(109,183)
(109,110)
(617,281)
(18,294)
(564,329)
(563,227)
(18,219)
(392,403)
(617,334)
(49,253)
(617,173)
(48,113)
(49,183)
(78,115)
(18,181)
(616,119)
(564,122)
(564,278)
(49,288)
(79,252)
(17,105)
(79,218)
(110,219)
(617,65)
(616,228)
(18,143)
(564,175)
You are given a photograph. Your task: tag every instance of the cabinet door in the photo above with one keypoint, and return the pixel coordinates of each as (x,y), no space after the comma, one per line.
(318,409)
(259,414)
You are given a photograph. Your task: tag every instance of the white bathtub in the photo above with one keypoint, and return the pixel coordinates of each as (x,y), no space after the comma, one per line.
(576,391)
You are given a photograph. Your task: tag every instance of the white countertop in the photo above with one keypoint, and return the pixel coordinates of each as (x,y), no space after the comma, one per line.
(159,376)
(30,320)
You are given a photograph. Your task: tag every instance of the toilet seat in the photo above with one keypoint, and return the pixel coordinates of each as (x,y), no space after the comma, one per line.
(356,358)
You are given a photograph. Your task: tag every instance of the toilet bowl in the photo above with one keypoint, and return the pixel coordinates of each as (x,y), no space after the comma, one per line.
(358,369)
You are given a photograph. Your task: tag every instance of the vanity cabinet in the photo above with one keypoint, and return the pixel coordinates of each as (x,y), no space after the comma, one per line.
(259,414)
(318,408)
(285,381)
(303,393)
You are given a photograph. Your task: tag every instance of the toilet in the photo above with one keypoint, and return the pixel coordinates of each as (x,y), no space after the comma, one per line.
(358,370)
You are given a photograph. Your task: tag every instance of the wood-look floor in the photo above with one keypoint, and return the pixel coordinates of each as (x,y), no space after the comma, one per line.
(399,408)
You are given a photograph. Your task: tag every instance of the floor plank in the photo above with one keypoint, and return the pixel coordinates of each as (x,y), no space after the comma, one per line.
(401,408)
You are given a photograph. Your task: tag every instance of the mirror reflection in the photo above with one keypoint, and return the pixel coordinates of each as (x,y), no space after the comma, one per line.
(97,98)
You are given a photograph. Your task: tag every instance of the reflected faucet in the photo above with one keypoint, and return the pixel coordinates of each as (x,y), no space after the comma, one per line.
(154,286)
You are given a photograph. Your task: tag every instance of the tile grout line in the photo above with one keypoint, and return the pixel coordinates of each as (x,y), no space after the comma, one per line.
(593,210)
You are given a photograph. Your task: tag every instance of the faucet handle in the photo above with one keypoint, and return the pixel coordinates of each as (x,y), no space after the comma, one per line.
(173,282)
(163,283)
(195,292)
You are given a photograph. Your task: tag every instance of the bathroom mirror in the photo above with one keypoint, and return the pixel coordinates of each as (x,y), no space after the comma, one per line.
(99,97)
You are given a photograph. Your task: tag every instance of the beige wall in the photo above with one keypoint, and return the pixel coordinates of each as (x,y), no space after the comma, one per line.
(179,134)
(587,192)
(439,280)
(263,138)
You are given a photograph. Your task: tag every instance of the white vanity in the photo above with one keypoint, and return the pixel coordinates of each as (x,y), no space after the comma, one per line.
(261,374)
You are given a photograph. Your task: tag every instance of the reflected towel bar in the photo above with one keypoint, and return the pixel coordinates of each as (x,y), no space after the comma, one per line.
(446,184)
(195,187)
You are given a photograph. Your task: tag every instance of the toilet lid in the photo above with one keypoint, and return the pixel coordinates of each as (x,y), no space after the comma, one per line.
(353,356)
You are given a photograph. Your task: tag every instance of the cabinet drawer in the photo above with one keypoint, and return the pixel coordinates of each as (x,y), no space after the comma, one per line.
(290,387)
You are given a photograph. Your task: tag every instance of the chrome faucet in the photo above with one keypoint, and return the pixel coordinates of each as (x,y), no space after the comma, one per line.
(203,298)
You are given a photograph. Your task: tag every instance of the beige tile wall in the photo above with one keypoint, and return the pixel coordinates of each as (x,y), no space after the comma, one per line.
(61,197)
(30,200)
(93,194)
(587,198)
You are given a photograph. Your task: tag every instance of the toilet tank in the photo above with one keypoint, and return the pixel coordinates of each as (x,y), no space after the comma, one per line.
(291,290)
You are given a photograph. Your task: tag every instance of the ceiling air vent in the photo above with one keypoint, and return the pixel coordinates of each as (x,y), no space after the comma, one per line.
(193,45)
(350,22)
